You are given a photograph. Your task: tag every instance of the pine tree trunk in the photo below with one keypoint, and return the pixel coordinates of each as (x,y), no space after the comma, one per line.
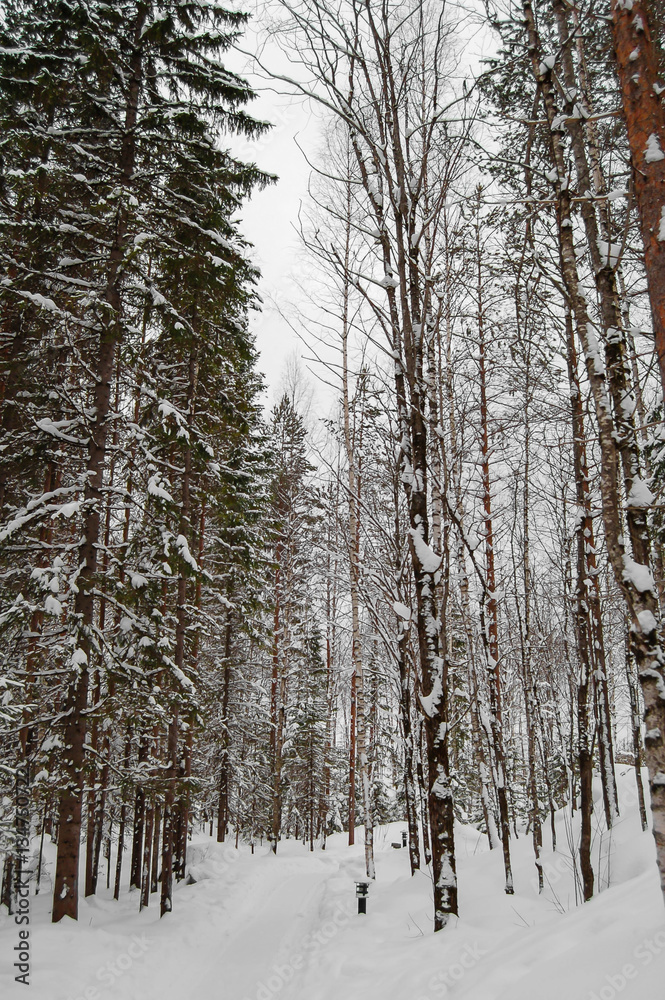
(183,811)
(93,791)
(224,777)
(171,775)
(97,792)
(147,849)
(100,815)
(154,870)
(169,838)
(65,898)
(121,847)
(139,818)
(27,734)
(65,886)
(641,89)
(122,825)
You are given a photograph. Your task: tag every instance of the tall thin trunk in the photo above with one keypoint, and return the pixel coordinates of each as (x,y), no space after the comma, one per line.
(139,818)
(147,850)
(409,756)
(527,660)
(171,774)
(275,707)
(641,89)
(182,826)
(491,609)
(185,802)
(122,824)
(97,791)
(358,731)
(65,885)
(353,729)
(224,776)
(424,808)
(636,728)
(27,733)
(180,655)
(154,871)
(330,647)
(583,629)
(100,812)
(93,792)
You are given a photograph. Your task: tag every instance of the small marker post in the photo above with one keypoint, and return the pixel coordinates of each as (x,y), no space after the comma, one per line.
(403,838)
(362,890)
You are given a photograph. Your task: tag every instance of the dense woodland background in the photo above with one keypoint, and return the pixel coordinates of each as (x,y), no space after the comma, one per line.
(443,600)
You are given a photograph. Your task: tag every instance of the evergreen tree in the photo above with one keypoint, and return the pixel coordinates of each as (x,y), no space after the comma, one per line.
(115,191)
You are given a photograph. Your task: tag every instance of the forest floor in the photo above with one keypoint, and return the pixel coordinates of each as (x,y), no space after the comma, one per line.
(258,927)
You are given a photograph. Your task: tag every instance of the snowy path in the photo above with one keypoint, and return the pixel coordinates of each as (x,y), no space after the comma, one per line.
(259,927)
(270,950)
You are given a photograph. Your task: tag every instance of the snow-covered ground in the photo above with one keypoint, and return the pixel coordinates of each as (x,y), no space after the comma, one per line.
(256,927)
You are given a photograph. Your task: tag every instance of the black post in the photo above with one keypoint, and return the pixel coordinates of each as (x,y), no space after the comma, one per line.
(362,888)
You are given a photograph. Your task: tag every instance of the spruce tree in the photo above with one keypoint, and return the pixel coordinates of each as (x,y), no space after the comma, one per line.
(111,164)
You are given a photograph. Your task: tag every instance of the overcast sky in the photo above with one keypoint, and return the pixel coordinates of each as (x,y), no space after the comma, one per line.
(269,218)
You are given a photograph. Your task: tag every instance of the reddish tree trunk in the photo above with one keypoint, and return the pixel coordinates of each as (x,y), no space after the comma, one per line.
(637,68)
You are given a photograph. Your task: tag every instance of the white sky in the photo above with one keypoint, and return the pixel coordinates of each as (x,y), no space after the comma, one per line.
(269,218)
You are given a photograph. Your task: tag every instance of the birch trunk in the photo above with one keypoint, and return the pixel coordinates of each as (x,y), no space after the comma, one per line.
(357,719)
(491,610)
(583,631)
